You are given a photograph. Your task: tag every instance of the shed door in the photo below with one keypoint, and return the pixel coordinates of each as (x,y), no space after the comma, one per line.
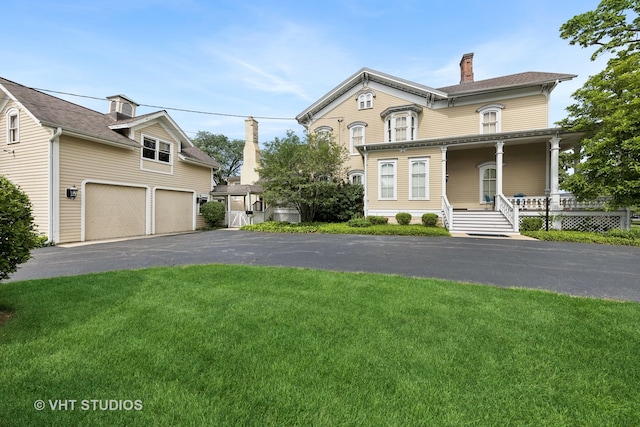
(113,211)
(174,211)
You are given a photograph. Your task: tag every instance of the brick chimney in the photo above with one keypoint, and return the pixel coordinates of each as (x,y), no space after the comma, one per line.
(466,68)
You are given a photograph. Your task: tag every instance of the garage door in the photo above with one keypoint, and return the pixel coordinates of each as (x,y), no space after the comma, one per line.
(174,211)
(113,211)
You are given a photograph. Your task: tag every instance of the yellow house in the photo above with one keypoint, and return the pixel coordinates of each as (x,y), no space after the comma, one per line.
(95,176)
(480,154)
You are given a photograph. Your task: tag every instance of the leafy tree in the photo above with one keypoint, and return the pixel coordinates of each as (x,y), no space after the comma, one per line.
(349,203)
(607,107)
(227,152)
(303,173)
(17,230)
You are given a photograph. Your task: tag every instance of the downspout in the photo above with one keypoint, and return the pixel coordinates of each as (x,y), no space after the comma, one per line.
(54,186)
(366,186)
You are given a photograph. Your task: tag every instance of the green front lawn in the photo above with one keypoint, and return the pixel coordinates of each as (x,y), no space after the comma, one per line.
(237,345)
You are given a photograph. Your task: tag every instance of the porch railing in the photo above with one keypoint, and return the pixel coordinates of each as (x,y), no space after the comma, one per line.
(567,202)
(509,210)
(447,213)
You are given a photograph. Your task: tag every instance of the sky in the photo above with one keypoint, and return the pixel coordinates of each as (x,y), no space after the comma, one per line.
(227,60)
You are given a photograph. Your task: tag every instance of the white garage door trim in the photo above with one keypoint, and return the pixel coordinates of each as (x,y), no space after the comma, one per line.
(181,190)
(83,208)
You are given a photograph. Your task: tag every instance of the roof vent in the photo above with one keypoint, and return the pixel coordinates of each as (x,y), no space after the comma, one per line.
(123,105)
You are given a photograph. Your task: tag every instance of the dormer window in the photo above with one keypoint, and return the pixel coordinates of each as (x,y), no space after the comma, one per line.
(156,150)
(401,123)
(365,100)
(490,118)
(13,126)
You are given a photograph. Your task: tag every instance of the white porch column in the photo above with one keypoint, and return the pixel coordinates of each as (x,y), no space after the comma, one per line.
(554,185)
(499,156)
(443,149)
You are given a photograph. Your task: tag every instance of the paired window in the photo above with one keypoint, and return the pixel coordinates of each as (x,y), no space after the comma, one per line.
(13,126)
(418,176)
(490,118)
(365,100)
(388,179)
(154,149)
(325,130)
(356,135)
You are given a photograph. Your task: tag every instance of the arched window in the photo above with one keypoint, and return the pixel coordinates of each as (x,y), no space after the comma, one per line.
(419,179)
(387,181)
(365,99)
(327,130)
(490,118)
(13,126)
(356,177)
(488,179)
(401,123)
(356,135)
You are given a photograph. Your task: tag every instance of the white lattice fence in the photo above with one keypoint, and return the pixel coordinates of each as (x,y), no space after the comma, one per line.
(591,223)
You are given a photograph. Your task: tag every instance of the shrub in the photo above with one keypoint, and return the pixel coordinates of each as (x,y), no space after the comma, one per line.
(403,218)
(377,220)
(17,230)
(213,213)
(359,222)
(429,220)
(347,202)
(531,224)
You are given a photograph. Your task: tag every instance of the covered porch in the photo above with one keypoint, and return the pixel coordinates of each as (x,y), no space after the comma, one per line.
(515,175)
(243,204)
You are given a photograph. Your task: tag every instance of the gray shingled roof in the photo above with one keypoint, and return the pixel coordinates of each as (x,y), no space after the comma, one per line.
(196,154)
(514,80)
(56,112)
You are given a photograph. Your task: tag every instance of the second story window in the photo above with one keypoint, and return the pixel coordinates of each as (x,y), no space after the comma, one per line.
(490,118)
(154,149)
(356,135)
(365,100)
(13,126)
(324,131)
(401,123)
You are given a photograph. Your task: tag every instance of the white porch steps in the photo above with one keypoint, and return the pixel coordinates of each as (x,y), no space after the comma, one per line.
(480,222)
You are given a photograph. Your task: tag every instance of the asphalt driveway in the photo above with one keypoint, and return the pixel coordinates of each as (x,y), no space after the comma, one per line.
(577,269)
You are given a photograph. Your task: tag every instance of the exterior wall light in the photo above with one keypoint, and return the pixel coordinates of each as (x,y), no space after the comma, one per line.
(72,192)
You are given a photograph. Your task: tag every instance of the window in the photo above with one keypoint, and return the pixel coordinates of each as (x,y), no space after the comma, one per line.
(356,177)
(490,118)
(401,125)
(154,149)
(356,135)
(419,174)
(387,182)
(487,182)
(324,131)
(13,126)
(365,100)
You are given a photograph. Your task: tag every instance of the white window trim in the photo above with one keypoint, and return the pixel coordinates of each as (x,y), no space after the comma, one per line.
(13,112)
(481,168)
(394,162)
(321,129)
(413,161)
(493,108)
(356,173)
(365,97)
(157,150)
(390,126)
(351,127)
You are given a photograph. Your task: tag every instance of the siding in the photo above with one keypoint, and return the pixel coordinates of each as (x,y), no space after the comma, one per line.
(524,171)
(82,160)
(403,204)
(28,166)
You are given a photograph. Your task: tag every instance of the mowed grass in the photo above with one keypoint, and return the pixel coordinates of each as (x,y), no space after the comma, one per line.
(237,345)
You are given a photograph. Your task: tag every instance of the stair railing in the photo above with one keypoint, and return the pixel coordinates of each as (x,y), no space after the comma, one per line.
(447,213)
(509,211)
